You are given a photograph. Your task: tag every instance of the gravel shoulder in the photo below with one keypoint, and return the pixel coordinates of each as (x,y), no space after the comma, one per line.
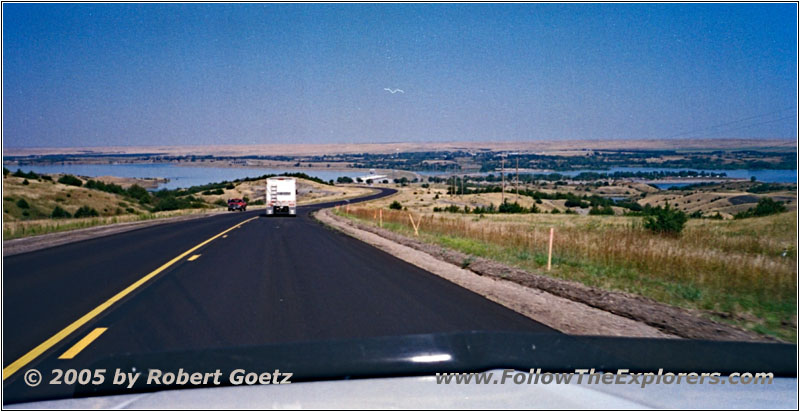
(567,306)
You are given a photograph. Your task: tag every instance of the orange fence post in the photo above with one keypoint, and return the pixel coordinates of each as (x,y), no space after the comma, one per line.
(550,250)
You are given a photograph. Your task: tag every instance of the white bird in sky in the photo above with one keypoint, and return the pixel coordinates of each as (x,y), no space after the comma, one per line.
(393,91)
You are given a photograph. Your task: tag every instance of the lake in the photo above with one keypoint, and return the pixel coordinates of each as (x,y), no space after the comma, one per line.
(179,176)
(767,176)
(185,176)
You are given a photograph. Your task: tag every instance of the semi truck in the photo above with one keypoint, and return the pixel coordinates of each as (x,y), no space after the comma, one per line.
(281,196)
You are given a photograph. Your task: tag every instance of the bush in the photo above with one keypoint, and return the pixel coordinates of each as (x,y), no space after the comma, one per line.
(396,205)
(86,211)
(230,186)
(22,204)
(665,220)
(70,180)
(606,210)
(29,175)
(59,213)
(139,193)
(515,207)
(171,203)
(25,182)
(104,187)
(765,207)
(571,202)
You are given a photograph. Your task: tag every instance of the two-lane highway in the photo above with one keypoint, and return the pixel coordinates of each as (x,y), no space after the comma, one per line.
(224,281)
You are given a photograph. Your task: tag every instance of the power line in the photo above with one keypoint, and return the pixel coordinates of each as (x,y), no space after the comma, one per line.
(744,119)
(755,124)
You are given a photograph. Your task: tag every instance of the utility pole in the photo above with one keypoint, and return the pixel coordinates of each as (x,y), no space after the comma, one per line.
(453,193)
(517,177)
(503,179)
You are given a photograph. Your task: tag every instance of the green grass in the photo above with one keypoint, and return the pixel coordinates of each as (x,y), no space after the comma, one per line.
(768,308)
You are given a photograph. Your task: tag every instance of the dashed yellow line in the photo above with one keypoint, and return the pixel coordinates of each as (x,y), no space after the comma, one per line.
(64,333)
(193,257)
(78,347)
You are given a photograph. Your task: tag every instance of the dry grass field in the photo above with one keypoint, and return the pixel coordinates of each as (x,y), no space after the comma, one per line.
(558,146)
(739,271)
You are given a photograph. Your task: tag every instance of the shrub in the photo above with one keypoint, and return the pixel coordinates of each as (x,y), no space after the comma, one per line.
(139,193)
(59,213)
(396,205)
(26,182)
(665,220)
(86,211)
(22,204)
(605,210)
(575,203)
(70,180)
(104,187)
(515,207)
(765,207)
(171,203)
(230,186)
(29,175)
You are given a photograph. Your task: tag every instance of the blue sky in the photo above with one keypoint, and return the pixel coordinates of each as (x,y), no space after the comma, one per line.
(144,74)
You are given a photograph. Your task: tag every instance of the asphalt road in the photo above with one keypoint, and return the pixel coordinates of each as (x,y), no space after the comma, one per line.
(267,280)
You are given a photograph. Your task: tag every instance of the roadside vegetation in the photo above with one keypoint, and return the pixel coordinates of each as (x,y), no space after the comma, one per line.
(741,271)
(35,204)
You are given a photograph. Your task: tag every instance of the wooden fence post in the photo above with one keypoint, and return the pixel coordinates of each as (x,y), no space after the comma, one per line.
(415,225)
(380,217)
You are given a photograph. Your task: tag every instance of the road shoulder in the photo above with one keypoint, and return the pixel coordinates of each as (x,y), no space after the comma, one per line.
(563,314)
(34,243)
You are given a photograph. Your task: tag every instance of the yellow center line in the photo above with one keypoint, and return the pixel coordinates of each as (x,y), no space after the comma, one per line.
(193,257)
(78,347)
(61,335)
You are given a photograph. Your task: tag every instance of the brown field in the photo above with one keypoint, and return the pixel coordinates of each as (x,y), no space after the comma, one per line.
(318,149)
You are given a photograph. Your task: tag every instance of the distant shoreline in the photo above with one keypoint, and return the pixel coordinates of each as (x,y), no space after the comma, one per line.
(320,149)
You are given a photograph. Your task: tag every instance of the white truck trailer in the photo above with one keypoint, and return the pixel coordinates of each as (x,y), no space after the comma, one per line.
(281,196)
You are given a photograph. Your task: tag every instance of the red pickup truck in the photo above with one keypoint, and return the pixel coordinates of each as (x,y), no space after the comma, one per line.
(237,204)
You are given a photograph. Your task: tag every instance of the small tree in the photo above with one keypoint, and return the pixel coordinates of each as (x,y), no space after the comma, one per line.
(22,204)
(86,211)
(515,207)
(70,180)
(665,220)
(59,213)
(396,206)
